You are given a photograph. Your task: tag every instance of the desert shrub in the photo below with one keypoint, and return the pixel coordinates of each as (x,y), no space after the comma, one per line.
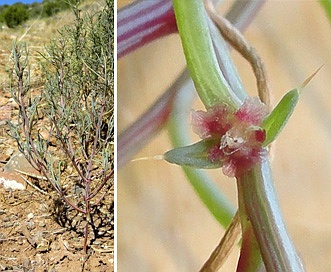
(35,9)
(75,138)
(15,15)
(51,7)
(2,12)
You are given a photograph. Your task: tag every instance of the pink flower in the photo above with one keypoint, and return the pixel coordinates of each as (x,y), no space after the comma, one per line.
(239,132)
(253,111)
(211,123)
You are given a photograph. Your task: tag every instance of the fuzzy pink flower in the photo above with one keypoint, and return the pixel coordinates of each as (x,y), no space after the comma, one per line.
(253,111)
(239,135)
(211,123)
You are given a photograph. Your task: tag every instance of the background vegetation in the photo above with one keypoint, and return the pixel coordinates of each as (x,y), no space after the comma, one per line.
(16,14)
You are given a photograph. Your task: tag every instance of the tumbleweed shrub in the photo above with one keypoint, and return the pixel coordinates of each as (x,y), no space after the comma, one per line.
(72,147)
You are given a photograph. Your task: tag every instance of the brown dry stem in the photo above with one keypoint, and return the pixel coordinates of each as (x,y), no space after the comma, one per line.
(223,249)
(232,35)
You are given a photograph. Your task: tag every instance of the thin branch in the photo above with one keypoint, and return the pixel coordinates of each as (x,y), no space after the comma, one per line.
(97,190)
(242,13)
(223,249)
(65,149)
(238,41)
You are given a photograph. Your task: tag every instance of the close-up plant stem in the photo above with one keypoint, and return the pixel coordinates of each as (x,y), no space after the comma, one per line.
(279,252)
(235,127)
(209,81)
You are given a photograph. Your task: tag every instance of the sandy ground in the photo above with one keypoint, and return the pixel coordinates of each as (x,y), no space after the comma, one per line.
(162,225)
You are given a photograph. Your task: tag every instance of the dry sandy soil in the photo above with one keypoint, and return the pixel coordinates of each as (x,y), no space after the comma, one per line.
(37,231)
(162,225)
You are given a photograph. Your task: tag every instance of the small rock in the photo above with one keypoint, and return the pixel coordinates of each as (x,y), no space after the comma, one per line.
(14,122)
(9,151)
(30,225)
(19,162)
(8,224)
(11,100)
(42,224)
(30,216)
(4,157)
(11,180)
(11,184)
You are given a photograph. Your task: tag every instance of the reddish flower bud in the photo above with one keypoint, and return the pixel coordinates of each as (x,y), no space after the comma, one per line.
(253,111)
(211,123)
(240,136)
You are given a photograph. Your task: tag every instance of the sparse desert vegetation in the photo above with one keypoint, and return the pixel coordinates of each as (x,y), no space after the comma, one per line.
(56,75)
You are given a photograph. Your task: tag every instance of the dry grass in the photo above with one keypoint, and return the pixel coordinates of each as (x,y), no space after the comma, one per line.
(36,33)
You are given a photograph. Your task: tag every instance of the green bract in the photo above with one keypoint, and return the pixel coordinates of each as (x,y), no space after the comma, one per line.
(195,155)
(277,119)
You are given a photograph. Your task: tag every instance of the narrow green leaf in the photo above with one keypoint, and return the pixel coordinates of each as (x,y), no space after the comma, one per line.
(277,119)
(192,23)
(195,155)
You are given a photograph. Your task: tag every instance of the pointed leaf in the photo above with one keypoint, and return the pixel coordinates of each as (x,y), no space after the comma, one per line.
(195,155)
(277,119)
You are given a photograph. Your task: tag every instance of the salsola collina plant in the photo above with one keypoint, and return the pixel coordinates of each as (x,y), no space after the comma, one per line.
(236,130)
(66,131)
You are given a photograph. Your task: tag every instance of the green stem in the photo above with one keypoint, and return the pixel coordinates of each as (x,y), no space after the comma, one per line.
(250,257)
(192,23)
(261,207)
(263,226)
